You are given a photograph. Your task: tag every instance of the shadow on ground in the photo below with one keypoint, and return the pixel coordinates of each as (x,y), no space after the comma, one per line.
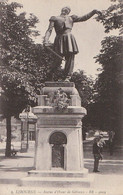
(14,157)
(16,169)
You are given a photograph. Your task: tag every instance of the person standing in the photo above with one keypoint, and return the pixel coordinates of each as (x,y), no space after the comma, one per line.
(65,44)
(97,153)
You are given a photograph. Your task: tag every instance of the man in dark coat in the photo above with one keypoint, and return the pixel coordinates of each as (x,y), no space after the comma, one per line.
(97,153)
(65,43)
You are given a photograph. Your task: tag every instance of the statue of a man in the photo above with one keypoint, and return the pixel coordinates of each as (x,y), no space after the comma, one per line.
(65,44)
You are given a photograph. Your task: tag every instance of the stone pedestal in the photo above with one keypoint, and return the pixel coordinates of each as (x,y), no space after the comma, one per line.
(59,152)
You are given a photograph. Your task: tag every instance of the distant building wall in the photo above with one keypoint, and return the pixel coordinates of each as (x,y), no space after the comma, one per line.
(16,129)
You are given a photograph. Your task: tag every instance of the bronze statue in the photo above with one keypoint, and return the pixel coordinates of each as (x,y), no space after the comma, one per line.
(65,44)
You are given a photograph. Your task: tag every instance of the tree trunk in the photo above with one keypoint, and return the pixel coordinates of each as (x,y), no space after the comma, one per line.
(8,141)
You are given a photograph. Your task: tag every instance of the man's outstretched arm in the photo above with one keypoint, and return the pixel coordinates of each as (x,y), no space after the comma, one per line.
(85,17)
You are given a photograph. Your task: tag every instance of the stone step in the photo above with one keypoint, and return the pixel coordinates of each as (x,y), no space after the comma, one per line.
(58,173)
(57,182)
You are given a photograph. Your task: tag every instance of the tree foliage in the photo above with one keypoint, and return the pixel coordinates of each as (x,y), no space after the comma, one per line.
(84,85)
(112,18)
(16,50)
(110,82)
(107,110)
(109,104)
(24,65)
(16,55)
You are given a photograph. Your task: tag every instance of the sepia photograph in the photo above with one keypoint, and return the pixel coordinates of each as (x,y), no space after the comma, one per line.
(61,97)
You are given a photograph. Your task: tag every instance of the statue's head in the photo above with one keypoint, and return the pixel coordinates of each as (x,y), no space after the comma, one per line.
(65,10)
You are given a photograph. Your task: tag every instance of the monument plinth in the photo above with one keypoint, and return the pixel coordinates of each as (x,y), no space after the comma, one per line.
(59,151)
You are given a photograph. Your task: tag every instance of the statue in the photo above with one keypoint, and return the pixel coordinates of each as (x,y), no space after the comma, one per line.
(65,44)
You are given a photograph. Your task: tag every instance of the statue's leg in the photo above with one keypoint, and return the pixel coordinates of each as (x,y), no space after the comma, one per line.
(55,67)
(69,65)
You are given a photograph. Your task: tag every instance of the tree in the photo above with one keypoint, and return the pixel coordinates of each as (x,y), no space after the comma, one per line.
(109,105)
(84,85)
(15,49)
(24,64)
(106,110)
(109,84)
(112,18)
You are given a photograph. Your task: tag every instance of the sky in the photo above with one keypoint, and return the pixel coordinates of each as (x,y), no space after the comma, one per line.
(88,34)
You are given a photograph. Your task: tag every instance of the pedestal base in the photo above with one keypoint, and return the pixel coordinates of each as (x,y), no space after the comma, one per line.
(59,139)
(58,179)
